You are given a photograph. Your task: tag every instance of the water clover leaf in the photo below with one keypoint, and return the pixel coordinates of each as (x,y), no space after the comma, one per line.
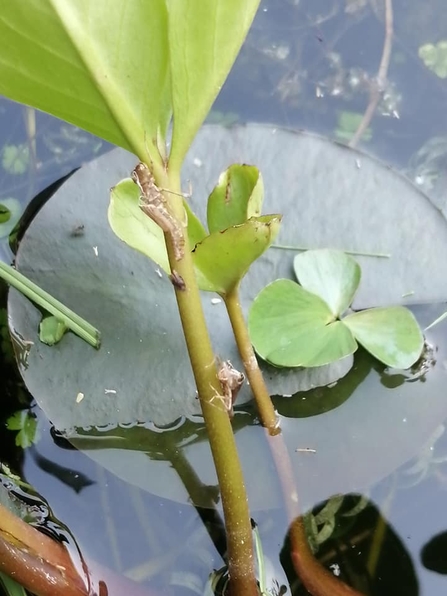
(392,335)
(223,258)
(296,325)
(290,326)
(237,196)
(15,158)
(435,57)
(133,227)
(331,274)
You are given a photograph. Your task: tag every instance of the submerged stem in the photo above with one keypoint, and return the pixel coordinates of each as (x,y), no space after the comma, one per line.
(317,580)
(220,433)
(261,394)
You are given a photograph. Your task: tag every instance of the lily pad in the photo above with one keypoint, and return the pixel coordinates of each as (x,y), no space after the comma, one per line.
(141,373)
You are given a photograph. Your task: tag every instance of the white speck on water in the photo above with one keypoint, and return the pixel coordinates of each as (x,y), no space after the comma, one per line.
(197,162)
(404,419)
(95,250)
(216,300)
(158,272)
(358,164)
(107,391)
(80,396)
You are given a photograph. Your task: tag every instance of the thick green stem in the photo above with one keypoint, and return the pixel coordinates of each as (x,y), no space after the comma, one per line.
(220,433)
(261,394)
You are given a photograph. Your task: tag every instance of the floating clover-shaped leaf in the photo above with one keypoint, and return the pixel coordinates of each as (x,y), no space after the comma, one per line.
(435,57)
(292,325)
(331,274)
(391,334)
(237,196)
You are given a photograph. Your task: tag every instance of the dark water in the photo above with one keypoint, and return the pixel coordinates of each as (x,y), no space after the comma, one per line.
(305,65)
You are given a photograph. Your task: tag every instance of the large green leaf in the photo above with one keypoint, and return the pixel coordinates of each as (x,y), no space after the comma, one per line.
(204,39)
(237,196)
(390,334)
(105,70)
(143,356)
(331,274)
(223,258)
(290,326)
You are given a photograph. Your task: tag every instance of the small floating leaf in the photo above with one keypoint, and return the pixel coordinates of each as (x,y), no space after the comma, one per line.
(52,330)
(10,212)
(26,423)
(331,274)
(392,335)
(290,326)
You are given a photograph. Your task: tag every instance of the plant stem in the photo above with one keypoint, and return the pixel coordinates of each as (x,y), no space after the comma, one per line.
(261,394)
(316,579)
(40,564)
(217,421)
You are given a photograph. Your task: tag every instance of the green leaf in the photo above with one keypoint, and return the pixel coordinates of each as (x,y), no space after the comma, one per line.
(392,335)
(331,274)
(290,326)
(10,213)
(133,226)
(11,587)
(196,231)
(223,258)
(237,196)
(103,70)
(435,57)
(26,423)
(52,330)
(205,37)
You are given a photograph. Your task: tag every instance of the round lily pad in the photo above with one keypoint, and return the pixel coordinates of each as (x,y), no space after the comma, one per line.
(141,374)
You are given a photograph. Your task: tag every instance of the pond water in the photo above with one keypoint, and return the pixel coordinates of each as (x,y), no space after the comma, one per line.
(308,66)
